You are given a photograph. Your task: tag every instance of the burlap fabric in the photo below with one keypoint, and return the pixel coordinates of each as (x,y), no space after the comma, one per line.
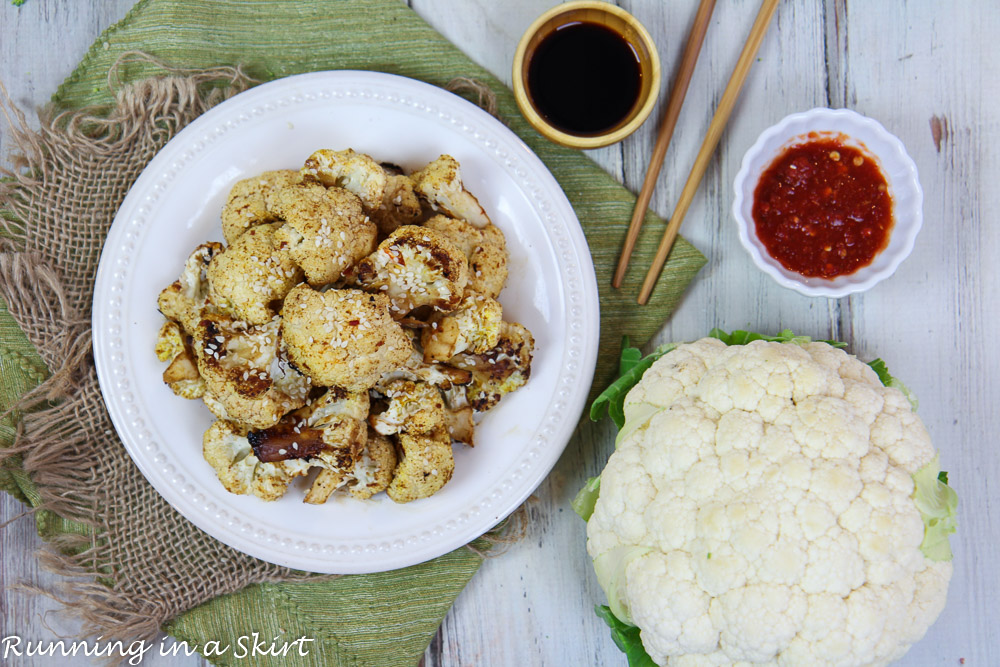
(71,177)
(140,564)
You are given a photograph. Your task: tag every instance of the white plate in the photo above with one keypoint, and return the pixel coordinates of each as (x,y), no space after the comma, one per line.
(175,205)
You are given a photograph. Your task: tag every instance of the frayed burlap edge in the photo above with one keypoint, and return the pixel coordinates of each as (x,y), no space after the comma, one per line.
(48,289)
(49,297)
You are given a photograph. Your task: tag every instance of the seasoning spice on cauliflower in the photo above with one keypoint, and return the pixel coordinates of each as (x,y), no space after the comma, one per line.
(761,508)
(369,474)
(355,172)
(251,275)
(485,247)
(415,267)
(415,407)
(342,338)
(250,202)
(425,466)
(500,370)
(474,326)
(184,300)
(400,204)
(247,377)
(440,183)
(182,374)
(330,429)
(325,230)
(228,451)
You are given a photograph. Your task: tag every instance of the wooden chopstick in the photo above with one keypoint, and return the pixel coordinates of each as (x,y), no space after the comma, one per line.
(715,129)
(688,61)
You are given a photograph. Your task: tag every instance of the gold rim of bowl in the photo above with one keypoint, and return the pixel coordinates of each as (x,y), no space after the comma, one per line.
(621,22)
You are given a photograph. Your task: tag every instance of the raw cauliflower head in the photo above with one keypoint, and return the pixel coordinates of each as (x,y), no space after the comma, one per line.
(759,509)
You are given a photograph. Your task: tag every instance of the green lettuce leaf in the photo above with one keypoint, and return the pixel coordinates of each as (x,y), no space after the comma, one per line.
(888,380)
(610,570)
(626,637)
(585,500)
(637,415)
(938,506)
(631,367)
(740,337)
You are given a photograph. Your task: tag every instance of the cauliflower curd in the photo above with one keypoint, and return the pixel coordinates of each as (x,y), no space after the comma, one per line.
(760,509)
(339,335)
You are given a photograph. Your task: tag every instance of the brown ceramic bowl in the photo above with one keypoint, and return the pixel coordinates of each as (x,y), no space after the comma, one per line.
(614,18)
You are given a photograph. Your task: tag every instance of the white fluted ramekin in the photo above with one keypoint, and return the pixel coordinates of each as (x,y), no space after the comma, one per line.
(872,139)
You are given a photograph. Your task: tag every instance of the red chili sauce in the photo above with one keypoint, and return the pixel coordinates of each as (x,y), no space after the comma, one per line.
(823,209)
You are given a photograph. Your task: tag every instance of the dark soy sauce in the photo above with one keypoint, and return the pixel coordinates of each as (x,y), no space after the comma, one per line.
(584,78)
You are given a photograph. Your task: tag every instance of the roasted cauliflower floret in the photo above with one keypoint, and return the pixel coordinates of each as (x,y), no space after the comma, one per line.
(485,247)
(182,374)
(442,376)
(249,202)
(330,430)
(371,473)
(226,448)
(400,205)
(426,465)
(355,172)
(184,300)
(344,337)
(414,407)
(501,370)
(460,424)
(474,326)
(440,183)
(415,267)
(247,377)
(325,230)
(251,275)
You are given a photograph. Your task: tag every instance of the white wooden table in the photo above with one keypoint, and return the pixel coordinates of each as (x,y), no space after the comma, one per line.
(935,322)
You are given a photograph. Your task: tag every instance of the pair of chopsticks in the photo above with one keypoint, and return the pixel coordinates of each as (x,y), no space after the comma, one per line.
(715,128)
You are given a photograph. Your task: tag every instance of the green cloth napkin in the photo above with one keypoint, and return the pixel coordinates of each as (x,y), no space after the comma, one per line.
(388,618)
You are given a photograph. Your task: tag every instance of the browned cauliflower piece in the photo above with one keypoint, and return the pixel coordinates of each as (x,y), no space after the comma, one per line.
(440,183)
(371,473)
(498,371)
(415,368)
(415,267)
(343,337)
(182,374)
(247,377)
(330,431)
(249,202)
(355,172)
(474,326)
(325,230)
(414,407)
(226,448)
(251,276)
(485,247)
(460,424)
(400,205)
(184,300)
(425,466)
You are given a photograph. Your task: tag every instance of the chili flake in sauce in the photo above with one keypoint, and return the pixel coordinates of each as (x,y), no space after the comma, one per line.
(822,209)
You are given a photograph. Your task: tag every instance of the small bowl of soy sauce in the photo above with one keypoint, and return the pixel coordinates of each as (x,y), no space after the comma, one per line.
(586,74)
